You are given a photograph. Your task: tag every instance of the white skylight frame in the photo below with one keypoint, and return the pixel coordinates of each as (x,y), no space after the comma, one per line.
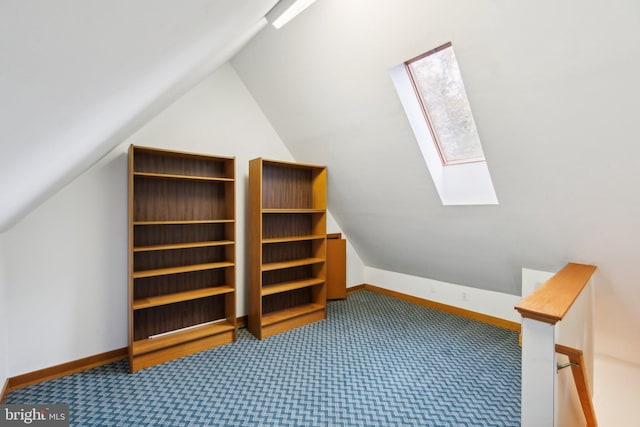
(456,184)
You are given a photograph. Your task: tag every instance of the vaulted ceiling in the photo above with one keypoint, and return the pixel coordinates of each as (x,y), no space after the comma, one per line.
(78,77)
(553,86)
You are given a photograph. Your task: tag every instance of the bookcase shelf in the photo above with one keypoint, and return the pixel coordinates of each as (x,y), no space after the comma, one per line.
(294,263)
(181,269)
(292,211)
(185,245)
(184,222)
(292,239)
(181,254)
(155,301)
(291,313)
(185,177)
(289,286)
(287,245)
(169,340)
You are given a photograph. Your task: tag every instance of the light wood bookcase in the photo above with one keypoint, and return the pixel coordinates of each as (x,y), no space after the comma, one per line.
(287,245)
(181,254)
(336,266)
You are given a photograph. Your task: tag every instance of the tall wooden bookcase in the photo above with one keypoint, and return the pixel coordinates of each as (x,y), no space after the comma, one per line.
(181,254)
(287,245)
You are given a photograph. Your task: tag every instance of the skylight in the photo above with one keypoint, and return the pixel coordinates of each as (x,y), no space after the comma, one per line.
(438,84)
(433,97)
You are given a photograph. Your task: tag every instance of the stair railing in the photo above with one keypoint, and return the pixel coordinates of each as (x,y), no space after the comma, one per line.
(542,402)
(580,378)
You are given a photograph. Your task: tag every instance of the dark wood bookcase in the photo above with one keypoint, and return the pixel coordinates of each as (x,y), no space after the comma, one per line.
(287,245)
(181,254)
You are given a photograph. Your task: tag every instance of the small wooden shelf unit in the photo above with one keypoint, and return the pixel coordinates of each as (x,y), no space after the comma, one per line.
(181,254)
(336,266)
(287,245)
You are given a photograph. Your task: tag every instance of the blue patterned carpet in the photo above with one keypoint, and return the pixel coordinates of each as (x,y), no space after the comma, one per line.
(376,361)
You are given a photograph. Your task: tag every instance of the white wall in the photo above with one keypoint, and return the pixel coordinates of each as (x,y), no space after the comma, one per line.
(68,258)
(616,392)
(4,307)
(491,303)
(355,266)
(67,270)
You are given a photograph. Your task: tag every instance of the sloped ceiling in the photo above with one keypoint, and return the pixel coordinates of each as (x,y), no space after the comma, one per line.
(78,77)
(553,86)
(555,94)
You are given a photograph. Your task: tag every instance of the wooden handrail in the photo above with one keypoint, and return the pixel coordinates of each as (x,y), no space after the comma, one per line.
(551,301)
(582,382)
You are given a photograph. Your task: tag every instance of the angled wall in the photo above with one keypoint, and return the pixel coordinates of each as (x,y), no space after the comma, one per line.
(85,75)
(66,267)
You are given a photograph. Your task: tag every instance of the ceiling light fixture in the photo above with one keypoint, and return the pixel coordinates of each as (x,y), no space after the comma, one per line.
(286,10)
